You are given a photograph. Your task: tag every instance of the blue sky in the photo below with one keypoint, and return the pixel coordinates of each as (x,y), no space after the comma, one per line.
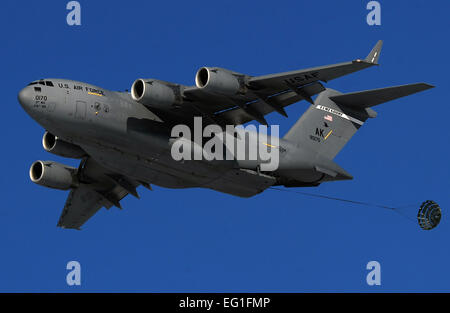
(200,240)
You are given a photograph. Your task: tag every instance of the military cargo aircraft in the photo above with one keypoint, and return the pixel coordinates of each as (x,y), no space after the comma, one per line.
(124,139)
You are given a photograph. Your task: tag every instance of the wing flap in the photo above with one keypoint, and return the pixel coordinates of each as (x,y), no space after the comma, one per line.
(81,204)
(238,116)
(98,188)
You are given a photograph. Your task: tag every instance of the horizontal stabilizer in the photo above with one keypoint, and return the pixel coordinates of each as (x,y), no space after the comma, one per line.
(369,98)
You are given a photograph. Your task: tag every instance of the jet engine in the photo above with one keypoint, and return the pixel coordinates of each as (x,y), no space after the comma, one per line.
(221,81)
(53,144)
(52,175)
(156,93)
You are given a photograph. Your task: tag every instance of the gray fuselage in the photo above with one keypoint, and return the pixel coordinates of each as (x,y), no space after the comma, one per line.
(128,138)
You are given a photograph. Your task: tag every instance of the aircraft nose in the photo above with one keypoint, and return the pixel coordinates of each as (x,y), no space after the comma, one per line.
(25,97)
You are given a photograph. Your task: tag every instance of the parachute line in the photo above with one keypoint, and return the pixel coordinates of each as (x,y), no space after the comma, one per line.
(335,198)
(428,217)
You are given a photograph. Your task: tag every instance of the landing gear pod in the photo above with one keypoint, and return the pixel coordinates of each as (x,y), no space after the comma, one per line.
(429,215)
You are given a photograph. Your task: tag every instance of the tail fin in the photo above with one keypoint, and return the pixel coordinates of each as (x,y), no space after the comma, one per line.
(335,117)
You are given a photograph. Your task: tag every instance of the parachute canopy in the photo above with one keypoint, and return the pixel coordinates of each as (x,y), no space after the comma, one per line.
(429,215)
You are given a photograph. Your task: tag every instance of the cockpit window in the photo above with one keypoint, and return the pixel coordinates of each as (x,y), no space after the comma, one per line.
(43,83)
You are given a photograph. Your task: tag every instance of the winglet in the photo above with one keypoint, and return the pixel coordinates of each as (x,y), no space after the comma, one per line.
(375,53)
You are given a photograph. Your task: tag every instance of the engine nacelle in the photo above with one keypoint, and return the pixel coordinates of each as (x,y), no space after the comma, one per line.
(221,81)
(155,93)
(52,175)
(53,144)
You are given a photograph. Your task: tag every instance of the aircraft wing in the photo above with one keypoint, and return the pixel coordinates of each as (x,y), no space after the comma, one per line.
(277,82)
(268,93)
(98,188)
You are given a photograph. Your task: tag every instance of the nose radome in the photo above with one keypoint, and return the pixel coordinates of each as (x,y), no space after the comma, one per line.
(24,96)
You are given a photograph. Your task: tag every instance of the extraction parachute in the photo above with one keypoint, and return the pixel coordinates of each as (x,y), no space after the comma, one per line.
(429,215)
